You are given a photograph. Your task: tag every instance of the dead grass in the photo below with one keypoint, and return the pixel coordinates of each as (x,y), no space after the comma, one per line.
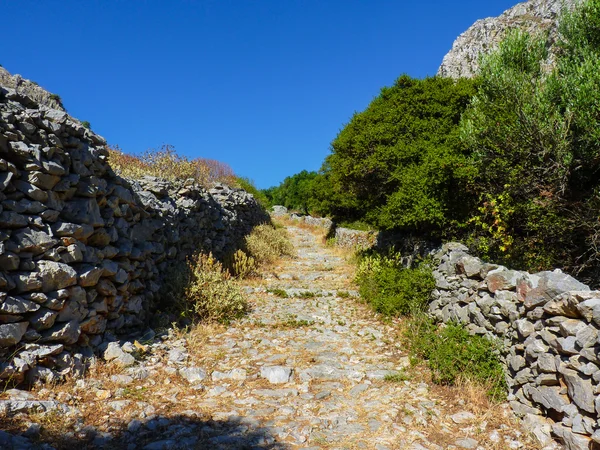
(166,163)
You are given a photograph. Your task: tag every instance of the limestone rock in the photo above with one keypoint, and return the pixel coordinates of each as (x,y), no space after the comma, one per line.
(11,333)
(485,34)
(276,374)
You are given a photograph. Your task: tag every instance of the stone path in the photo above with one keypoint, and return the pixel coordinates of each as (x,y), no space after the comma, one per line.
(313,369)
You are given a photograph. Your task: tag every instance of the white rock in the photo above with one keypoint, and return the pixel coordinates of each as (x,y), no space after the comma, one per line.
(276,374)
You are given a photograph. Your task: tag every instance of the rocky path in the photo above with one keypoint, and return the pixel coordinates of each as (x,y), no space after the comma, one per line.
(309,368)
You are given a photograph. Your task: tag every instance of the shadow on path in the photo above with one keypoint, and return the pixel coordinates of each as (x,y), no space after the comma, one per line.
(160,433)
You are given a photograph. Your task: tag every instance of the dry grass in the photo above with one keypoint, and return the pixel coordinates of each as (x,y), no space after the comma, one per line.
(166,163)
(211,293)
(267,244)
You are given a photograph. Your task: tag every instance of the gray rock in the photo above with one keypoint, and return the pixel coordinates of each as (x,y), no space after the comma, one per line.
(192,374)
(580,390)
(17,305)
(590,310)
(34,241)
(67,333)
(279,211)
(485,34)
(11,333)
(463,417)
(571,440)
(548,397)
(12,407)
(55,275)
(466,443)
(470,266)
(43,319)
(539,427)
(276,374)
(177,355)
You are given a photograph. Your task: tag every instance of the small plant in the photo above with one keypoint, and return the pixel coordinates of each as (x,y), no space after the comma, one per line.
(306,294)
(265,244)
(331,242)
(454,355)
(343,294)
(211,293)
(86,124)
(278,293)
(297,323)
(56,98)
(396,377)
(242,264)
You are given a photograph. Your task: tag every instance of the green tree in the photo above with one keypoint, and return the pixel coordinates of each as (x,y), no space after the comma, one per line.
(534,133)
(400,164)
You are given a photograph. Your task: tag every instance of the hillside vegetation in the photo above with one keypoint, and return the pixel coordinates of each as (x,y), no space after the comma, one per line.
(507,162)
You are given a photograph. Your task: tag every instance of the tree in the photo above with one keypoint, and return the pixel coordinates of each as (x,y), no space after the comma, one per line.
(534,132)
(399,164)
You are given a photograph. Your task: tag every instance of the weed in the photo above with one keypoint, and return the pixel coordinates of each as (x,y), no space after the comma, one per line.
(306,294)
(242,265)
(86,124)
(278,293)
(453,354)
(166,163)
(343,294)
(294,322)
(211,293)
(396,377)
(265,244)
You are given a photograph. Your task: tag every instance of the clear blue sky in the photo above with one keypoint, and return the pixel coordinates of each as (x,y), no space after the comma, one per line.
(262,85)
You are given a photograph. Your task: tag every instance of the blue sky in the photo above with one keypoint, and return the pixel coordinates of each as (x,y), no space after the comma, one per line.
(262,85)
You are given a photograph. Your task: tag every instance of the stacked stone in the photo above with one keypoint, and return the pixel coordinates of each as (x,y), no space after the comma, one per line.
(83,251)
(347,238)
(548,326)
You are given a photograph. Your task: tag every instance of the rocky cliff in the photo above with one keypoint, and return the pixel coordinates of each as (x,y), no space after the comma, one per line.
(485,34)
(82,250)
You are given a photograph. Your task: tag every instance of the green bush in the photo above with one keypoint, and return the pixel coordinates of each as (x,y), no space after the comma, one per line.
(533,133)
(453,354)
(391,289)
(400,163)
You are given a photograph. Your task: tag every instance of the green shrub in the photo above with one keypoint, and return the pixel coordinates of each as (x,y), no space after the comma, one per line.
(533,133)
(391,289)
(86,124)
(266,243)
(211,293)
(453,354)
(399,163)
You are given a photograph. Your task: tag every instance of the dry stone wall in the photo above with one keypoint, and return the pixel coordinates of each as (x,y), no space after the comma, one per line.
(82,250)
(548,325)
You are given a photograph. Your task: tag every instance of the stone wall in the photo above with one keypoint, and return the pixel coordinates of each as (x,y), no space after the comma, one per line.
(548,325)
(83,251)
